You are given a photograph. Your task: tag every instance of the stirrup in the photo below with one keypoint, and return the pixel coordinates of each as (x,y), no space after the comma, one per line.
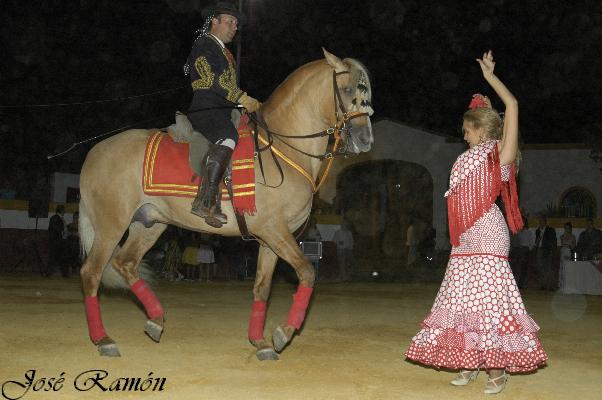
(492,386)
(465,377)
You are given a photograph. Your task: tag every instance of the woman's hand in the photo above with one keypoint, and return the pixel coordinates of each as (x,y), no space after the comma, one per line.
(509,144)
(487,64)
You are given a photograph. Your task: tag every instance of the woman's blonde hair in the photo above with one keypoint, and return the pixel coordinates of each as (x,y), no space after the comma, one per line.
(486,118)
(492,124)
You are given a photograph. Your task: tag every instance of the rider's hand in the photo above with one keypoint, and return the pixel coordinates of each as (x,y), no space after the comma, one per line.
(487,64)
(249,103)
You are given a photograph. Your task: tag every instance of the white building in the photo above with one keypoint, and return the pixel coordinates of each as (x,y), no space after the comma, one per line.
(14,214)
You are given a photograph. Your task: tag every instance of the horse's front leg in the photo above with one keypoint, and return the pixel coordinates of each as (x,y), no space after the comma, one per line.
(266,262)
(285,245)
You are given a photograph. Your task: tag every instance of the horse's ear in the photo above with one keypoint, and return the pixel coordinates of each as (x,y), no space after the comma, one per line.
(334,61)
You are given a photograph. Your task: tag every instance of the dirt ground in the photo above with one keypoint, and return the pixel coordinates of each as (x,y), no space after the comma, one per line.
(350,348)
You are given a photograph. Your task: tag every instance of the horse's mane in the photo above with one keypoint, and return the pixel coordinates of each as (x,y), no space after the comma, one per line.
(296,78)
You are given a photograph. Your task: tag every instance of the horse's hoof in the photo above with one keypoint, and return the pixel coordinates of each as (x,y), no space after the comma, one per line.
(109,350)
(153,330)
(266,353)
(279,339)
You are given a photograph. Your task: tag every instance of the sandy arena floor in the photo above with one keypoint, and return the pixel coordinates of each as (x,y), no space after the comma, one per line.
(350,347)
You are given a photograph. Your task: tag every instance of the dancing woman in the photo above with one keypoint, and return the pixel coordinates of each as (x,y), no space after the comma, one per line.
(479,319)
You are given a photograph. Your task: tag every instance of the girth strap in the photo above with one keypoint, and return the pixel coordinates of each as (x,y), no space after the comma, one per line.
(240,218)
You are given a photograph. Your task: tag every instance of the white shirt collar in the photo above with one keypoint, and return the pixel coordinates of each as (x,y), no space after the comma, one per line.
(218,40)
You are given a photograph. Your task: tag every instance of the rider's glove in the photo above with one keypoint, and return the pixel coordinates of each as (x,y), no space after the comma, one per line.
(249,103)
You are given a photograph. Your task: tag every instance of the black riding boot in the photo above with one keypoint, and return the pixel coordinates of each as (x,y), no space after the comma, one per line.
(207,204)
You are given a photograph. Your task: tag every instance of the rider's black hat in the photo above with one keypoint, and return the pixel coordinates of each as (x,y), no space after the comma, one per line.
(224,7)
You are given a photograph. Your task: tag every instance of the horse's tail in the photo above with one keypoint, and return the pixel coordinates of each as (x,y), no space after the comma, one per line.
(110,277)
(86,230)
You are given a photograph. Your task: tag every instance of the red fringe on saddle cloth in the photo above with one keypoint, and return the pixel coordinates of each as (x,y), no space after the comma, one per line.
(243,169)
(476,193)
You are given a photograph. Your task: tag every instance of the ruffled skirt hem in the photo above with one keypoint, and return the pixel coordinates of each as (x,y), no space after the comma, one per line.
(458,358)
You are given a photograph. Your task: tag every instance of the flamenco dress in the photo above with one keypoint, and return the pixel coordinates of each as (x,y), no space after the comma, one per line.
(479,319)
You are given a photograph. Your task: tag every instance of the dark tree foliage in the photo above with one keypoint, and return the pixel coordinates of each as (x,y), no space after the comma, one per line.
(420,54)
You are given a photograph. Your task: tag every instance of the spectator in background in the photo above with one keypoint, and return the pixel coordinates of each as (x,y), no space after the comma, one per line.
(545,250)
(190,264)
(56,237)
(72,261)
(590,241)
(173,254)
(428,244)
(206,258)
(568,242)
(344,241)
(412,241)
(522,243)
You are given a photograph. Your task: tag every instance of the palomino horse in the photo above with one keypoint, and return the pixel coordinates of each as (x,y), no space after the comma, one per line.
(328,95)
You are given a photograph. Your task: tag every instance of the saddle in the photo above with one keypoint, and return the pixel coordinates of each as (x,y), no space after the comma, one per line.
(182,132)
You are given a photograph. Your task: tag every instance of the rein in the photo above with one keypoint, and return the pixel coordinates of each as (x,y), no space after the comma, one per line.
(340,128)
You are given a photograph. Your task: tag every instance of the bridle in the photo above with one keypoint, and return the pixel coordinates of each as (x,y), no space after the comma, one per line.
(341,131)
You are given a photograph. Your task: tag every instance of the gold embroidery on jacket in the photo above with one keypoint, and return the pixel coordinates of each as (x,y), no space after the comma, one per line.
(227,81)
(206,76)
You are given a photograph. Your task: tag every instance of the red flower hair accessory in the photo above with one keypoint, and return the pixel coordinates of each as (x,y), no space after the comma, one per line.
(479,101)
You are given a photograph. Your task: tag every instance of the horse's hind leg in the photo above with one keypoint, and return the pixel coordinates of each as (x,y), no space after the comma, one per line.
(284,244)
(126,261)
(91,273)
(266,262)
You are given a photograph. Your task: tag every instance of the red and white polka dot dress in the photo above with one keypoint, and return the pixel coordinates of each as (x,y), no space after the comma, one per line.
(478,318)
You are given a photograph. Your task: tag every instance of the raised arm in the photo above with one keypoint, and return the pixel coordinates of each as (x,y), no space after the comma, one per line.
(509,143)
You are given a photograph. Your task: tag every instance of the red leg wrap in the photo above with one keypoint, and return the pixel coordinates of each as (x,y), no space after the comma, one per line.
(296,315)
(257,320)
(148,299)
(95,328)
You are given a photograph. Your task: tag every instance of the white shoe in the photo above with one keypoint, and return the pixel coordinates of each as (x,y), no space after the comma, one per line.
(464,377)
(494,386)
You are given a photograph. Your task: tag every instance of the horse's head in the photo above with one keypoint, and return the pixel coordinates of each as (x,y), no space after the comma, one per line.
(353,97)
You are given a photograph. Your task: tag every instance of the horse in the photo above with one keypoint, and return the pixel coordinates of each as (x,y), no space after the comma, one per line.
(329,95)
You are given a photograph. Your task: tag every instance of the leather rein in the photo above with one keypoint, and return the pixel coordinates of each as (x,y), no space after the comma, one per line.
(340,130)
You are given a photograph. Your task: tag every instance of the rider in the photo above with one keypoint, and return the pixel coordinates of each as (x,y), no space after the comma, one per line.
(212,70)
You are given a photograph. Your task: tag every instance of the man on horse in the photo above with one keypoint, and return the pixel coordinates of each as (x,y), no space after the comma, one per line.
(212,70)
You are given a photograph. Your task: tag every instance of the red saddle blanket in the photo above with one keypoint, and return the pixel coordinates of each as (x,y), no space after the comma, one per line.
(166,171)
